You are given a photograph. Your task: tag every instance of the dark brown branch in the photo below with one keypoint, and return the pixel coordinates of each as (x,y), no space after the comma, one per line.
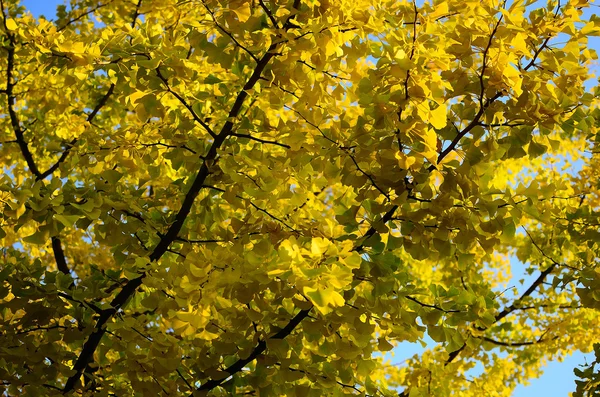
(258,350)
(272,216)
(413,46)
(49,386)
(88,12)
(100,104)
(248,136)
(537,52)
(540,250)
(454,354)
(538,281)
(14,120)
(484,64)
(164,145)
(431,306)
(154,379)
(514,306)
(368,176)
(185,104)
(208,241)
(510,309)
(136,13)
(325,377)
(549,306)
(437,19)
(502,125)
(73,142)
(184,380)
(59,256)
(221,28)
(509,344)
(282,89)
(412,53)
(332,75)
(269,13)
(254,205)
(26,331)
(517,344)
(149,339)
(129,289)
(343,30)
(419,199)
(68,297)
(311,124)
(483,105)
(134,215)
(372,230)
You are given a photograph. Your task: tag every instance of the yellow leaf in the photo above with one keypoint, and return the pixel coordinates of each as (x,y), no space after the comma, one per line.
(440,9)
(384,345)
(518,42)
(402,60)
(437,117)
(324,298)
(242,10)
(11,24)
(133,98)
(353,261)
(318,246)
(405,161)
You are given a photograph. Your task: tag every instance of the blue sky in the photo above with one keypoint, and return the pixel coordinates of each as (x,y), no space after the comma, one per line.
(558,378)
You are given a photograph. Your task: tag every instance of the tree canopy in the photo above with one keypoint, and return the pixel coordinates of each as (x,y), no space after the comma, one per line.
(264,197)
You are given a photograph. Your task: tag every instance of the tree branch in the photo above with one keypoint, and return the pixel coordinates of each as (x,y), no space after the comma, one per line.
(14,120)
(221,28)
(368,176)
(372,230)
(248,136)
(129,289)
(136,13)
(59,256)
(431,306)
(269,14)
(483,105)
(511,344)
(88,12)
(73,142)
(258,350)
(185,104)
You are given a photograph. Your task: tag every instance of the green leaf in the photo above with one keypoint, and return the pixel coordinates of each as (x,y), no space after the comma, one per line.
(536,149)
(324,299)
(111,176)
(40,237)
(212,79)
(66,220)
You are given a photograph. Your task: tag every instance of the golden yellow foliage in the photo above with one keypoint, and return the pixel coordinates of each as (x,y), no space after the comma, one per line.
(263,197)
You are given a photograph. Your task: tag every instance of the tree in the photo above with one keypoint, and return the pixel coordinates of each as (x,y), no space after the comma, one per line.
(263,197)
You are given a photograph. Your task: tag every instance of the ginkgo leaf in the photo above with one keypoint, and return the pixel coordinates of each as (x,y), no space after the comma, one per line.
(276,197)
(66,220)
(438,117)
(39,237)
(324,299)
(11,24)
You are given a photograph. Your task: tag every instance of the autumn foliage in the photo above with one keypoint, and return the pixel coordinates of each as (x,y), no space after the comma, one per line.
(264,197)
